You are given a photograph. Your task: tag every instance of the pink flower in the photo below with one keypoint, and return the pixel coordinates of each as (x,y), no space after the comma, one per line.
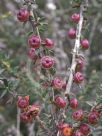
(33,110)
(78,115)
(60,102)
(23,102)
(75,17)
(78,77)
(85,44)
(74,103)
(72,33)
(47,62)
(93,117)
(80,65)
(57,83)
(34,41)
(32,54)
(25,117)
(85,129)
(49,43)
(23,15)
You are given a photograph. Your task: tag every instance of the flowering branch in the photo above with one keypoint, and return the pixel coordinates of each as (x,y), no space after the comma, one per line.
(75,51)
(54,85)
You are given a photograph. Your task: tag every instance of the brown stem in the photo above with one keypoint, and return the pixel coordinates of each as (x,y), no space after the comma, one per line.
(34,19)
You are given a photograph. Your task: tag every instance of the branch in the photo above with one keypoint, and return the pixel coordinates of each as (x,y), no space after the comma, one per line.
(75,51)
(34,22)
(18,121)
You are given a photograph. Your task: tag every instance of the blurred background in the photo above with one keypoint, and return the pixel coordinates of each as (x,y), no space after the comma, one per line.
(17,72)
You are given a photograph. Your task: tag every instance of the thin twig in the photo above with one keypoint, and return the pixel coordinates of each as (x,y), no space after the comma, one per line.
(18,121)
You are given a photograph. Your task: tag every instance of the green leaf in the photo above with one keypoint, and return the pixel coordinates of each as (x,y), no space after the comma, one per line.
(91,103)
(43,27)
(99,99)
(43,71)
(2,95)
(52,71)
(42,19)
(5,82)
(29,33)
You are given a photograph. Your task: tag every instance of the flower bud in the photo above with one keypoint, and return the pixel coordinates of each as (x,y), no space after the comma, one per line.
(34,41)
(75,18)
(78,115)
(23,102)
(72,33)
(85,44)
(78,77)
(23,15)
(60,102)
(47,62)
(73,103)
(85,129)
(57,83)
(93,117)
